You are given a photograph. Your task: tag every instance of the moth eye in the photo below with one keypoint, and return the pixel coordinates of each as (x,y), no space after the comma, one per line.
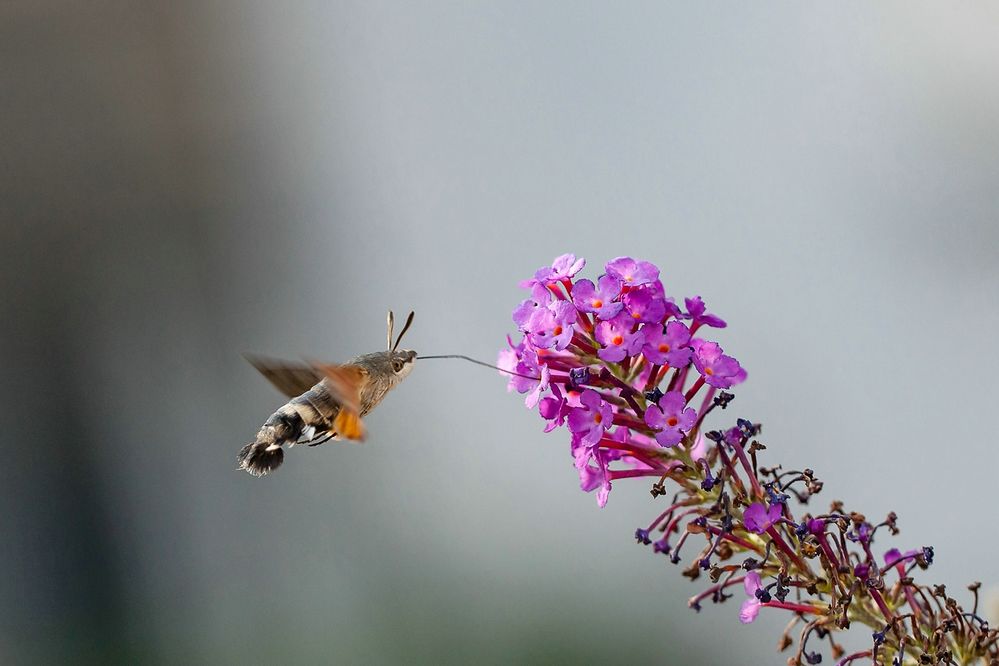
(397,366)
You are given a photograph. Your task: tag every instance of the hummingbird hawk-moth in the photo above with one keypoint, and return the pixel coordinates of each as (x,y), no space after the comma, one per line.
(326,401)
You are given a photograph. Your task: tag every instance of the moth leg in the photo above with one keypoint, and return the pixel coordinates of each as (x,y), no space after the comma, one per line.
(320,439)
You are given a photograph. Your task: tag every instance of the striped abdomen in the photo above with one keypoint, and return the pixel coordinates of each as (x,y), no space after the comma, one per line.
(315,408)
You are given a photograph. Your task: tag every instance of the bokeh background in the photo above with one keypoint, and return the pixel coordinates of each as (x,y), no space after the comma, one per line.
(185,181)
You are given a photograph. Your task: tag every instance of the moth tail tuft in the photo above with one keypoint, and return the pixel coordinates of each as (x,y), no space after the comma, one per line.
(259,458)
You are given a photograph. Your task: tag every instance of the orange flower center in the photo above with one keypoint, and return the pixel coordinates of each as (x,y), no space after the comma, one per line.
(635,315)
(597,303)
(598,418)
(672,421)
(617,339)
(664,347)
(558,330)
(709,371)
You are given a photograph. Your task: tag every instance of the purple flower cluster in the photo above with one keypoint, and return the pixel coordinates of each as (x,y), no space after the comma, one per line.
(618,363)
(622,366)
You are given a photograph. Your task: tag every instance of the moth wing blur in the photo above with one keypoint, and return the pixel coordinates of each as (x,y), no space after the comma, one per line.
(292,379)
(345,383)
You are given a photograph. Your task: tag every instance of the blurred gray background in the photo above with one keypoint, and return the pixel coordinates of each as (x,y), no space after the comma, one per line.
(185,181)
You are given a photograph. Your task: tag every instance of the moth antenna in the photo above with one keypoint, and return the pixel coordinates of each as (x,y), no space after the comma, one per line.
(391,325)
(409,322)
(482,363)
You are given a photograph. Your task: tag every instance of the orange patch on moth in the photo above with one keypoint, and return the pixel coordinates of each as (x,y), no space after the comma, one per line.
(348,425)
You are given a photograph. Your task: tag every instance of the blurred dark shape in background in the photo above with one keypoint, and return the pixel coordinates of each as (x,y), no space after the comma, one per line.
(184,181)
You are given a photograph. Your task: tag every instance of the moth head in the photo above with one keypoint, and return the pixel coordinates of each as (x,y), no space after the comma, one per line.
(402,361)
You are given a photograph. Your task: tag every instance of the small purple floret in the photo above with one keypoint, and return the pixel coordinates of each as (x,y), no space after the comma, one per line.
(600,300)
(617,338)
(718,370)
(667,348)
(671,418)
(563,267)
(552,327)
(751,606)
(631,272)
(592,419)
(645,307)
(696,312)
(758,518)
(596,478)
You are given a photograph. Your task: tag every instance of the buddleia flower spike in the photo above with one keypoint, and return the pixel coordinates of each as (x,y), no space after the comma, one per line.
(630,373)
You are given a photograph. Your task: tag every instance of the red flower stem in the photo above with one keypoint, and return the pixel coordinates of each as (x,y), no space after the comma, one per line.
(676,383)
(853,657)
(650,383)
(782,545)
(694,389)
(632,473)
(797,608)
(676,519)
(741,454)
(556,363)
(728,536)
(733,476)
(669,512)
(558,292)
(703,411)
(679,545)
(636,369)
(627,392)
(655,453)
(880,601)
(909,596)
(662,516)
(693,601)
(649,459)
(630,422)
(583,344)
(827,549)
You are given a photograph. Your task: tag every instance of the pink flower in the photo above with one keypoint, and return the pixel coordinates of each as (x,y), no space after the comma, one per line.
(631,272)
(601,300)
(563,267)
(644,306)
(617,338)
(671,418)
(717,369)
(596,478)
(757,518)
(591,420)
(552,326)
(751,606)
(669,347)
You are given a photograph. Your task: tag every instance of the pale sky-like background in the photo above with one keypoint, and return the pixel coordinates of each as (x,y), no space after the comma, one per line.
(183,182)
